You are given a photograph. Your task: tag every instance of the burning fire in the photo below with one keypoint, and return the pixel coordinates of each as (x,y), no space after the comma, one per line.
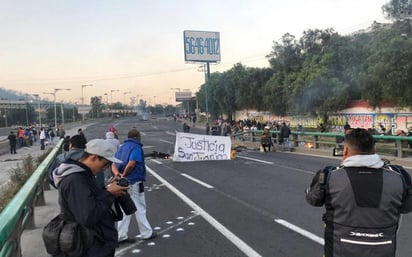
(309,145)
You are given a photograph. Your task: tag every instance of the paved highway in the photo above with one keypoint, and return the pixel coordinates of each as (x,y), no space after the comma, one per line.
(251,206)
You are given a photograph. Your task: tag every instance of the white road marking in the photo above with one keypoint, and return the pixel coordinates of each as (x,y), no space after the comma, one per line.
(246,249)
(253,159)
(124,250)
(197,180)
(301,231)
(156,161)
(165,141)
(171,133)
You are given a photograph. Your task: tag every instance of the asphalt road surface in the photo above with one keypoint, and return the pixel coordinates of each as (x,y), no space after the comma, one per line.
(251,206)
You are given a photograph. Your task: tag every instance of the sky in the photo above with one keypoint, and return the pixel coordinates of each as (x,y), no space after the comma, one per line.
(135,48)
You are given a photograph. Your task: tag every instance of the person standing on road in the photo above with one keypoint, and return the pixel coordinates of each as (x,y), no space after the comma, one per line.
(42,138)
(134,169)
(81,133)
(52,135)
(60,132)
(363,198)
(284,136)
(186,128)
(81,199)
(77,144)
(111,138)
(13,142)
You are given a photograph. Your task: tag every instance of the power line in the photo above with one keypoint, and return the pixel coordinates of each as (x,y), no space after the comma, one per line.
(95,78)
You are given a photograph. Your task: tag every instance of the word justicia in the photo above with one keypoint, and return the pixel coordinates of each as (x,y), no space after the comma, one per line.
(203,145)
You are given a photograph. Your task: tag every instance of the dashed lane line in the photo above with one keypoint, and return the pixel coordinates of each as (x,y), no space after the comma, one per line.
(239,243)
(301,231)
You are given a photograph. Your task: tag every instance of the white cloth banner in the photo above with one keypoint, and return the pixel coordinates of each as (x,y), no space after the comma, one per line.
(195,147)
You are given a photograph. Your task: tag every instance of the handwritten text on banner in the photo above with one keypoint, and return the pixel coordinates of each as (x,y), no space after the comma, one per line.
(195,147)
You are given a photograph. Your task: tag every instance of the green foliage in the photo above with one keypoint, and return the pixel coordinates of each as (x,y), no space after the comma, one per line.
(18,176)
(398,9)
(321,72)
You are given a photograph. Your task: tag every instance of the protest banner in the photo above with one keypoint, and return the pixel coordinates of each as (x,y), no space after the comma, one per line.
(195,147)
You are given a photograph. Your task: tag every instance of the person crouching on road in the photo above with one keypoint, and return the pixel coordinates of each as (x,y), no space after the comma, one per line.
(363,198)
(134,169)
(85,202)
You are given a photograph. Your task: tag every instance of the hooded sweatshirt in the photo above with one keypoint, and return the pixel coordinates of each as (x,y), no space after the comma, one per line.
(110,137)
(82,199)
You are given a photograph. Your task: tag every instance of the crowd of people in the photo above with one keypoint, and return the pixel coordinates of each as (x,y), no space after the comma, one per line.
(359,210)
(25,137)
(112,176)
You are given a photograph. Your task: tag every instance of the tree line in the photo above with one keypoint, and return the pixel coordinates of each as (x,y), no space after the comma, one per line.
(322,71)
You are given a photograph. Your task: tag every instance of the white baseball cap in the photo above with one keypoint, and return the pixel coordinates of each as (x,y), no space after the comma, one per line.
(102,148)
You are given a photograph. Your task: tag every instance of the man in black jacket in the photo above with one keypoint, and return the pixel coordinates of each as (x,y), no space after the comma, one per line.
(363,198)
(82,200)
(13,142)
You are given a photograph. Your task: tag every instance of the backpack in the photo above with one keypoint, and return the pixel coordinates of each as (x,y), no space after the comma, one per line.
(61,236)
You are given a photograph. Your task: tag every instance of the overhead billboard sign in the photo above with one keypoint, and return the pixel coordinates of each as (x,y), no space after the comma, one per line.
(201,46)
(183,96)
(84,109)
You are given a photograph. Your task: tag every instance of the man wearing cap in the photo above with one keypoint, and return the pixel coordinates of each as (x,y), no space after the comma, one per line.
(134,169)
(81,199)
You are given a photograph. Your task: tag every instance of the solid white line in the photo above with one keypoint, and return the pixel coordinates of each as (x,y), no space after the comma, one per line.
(197,180)
(253,159)
(165,141)
(301,231)
(246,249)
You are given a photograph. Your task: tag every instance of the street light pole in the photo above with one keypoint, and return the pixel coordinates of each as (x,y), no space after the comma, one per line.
(38,99)
(54,98)
(27,116)
(107,102)
(124,96)
(83,86)
(111,99)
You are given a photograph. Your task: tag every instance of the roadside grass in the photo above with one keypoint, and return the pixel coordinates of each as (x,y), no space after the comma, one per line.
(18,176)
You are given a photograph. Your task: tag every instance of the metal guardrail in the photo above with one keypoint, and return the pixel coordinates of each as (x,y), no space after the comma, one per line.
(19,213)
(319,139)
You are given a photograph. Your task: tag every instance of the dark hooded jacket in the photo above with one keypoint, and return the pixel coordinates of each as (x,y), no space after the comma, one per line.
(81,199)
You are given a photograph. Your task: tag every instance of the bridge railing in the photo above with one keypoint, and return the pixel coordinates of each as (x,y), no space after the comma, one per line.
(19,213)
(394,145)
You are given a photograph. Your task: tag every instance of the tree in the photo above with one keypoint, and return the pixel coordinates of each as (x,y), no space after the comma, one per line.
(97,106)
(398,9)
(389,72)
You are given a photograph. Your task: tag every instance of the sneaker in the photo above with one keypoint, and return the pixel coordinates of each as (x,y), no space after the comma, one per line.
(154,234)
(123,239)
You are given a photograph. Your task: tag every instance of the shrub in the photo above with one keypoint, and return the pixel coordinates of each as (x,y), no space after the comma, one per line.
(18,176)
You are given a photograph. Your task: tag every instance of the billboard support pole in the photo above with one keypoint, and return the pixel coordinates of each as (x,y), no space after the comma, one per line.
(206,98)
